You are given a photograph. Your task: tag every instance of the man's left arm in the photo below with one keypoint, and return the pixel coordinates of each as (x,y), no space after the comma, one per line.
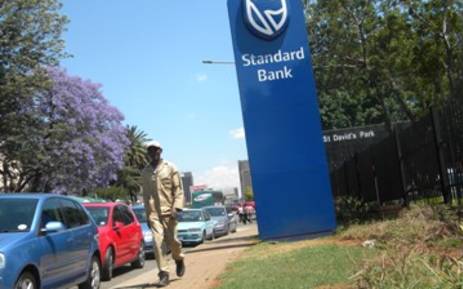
(177,190)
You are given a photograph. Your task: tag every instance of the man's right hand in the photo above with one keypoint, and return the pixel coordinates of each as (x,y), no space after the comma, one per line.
(174,212)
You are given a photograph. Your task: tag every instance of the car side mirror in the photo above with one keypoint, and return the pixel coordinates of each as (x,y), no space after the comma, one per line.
(52,227)
(117,226)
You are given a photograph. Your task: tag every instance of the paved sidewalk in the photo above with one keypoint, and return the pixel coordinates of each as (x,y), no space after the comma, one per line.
(204,263)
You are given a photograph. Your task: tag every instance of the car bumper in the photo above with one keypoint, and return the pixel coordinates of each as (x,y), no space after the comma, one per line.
(148,243)
(148,248)
(221,230)
(4,283)
(190,238)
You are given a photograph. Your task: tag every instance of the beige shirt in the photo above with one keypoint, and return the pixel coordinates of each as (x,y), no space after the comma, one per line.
(162,189)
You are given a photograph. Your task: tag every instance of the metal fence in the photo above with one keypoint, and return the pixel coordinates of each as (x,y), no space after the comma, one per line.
(418,160)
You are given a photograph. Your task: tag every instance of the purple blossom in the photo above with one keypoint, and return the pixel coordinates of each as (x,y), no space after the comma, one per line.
(86,138)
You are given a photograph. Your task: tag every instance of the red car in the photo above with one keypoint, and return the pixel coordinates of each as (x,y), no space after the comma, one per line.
(121,237)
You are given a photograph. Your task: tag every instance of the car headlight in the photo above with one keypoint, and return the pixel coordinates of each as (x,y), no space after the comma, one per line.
(194,230)
(148,235)
(2,261)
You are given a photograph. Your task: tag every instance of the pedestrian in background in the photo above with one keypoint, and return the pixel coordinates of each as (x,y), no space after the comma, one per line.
(249,212)
(241,214)
(163,198)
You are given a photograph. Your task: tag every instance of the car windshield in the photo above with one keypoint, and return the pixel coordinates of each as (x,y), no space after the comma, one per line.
(216,212)
(190,216)
(99,214)
(16,215)
(141,216)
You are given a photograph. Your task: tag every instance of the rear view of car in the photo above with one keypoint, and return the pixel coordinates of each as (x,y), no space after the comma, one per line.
(121,239)
(47,241)
(220,217)
(194,226)
(139,211)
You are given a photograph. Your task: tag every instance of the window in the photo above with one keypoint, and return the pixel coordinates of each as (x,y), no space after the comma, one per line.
(190,216)
(126,215)
(16,215)
(51,212)
(82,216)
(73,214)
(216,212)
(117,215)
(141,215)
(99,214)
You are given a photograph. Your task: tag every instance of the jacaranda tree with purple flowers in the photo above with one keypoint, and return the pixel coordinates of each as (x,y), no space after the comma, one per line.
(79,141)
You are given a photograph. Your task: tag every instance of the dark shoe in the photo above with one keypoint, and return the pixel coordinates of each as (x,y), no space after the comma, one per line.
(163,279)
(180,267)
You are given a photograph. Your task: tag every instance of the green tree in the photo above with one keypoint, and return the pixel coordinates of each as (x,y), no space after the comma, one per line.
(438,56)
(129,177)
(30,40)
(112,193)
(248,194)
(136,156)
(384,60)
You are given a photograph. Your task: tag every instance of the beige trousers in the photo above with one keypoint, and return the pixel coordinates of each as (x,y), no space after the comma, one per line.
(165,232)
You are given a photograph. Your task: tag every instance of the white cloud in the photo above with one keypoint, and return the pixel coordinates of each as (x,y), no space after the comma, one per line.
(222,176)
(237,133)
(201,77)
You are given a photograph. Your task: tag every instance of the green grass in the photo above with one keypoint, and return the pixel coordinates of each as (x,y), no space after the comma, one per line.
(305,268)
(419,249)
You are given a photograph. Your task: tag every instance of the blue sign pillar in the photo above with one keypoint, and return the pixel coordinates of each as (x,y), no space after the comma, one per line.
(281,119)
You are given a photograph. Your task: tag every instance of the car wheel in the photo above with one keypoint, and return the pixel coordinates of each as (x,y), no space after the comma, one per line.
(26,281)
(204,237)
(140,261)
(93,280)
(108,267)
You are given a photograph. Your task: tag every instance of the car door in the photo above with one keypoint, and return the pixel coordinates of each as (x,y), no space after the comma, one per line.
(121,236)
(80,238)
(56,265)
(80,225)
(133,233)
(209,223)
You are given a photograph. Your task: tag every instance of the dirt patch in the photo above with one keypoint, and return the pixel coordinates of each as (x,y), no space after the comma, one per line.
(214,284)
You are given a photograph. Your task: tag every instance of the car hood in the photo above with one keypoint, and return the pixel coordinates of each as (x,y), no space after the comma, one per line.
(189,225)
(10,239)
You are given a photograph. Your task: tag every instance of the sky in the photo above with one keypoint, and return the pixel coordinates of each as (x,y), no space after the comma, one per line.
(148,57)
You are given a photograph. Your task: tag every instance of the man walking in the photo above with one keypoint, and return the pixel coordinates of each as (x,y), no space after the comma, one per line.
(163,198)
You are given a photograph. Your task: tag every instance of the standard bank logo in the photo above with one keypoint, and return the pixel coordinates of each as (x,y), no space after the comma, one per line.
(266,18)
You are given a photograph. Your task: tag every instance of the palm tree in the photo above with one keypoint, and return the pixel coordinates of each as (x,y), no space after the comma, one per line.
(135,159)
(136,153)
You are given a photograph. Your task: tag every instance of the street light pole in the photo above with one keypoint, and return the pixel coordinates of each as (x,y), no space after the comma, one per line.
(217,62)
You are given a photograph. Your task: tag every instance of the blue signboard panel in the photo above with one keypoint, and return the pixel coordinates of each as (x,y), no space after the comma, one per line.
(281,118)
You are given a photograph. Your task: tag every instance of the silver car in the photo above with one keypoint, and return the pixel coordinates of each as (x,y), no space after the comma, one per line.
(222,224)
(139,210)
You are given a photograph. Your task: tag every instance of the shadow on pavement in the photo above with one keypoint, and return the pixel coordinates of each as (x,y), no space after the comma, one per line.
(236,239)
(122,270)
(215,248)
(144,285)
